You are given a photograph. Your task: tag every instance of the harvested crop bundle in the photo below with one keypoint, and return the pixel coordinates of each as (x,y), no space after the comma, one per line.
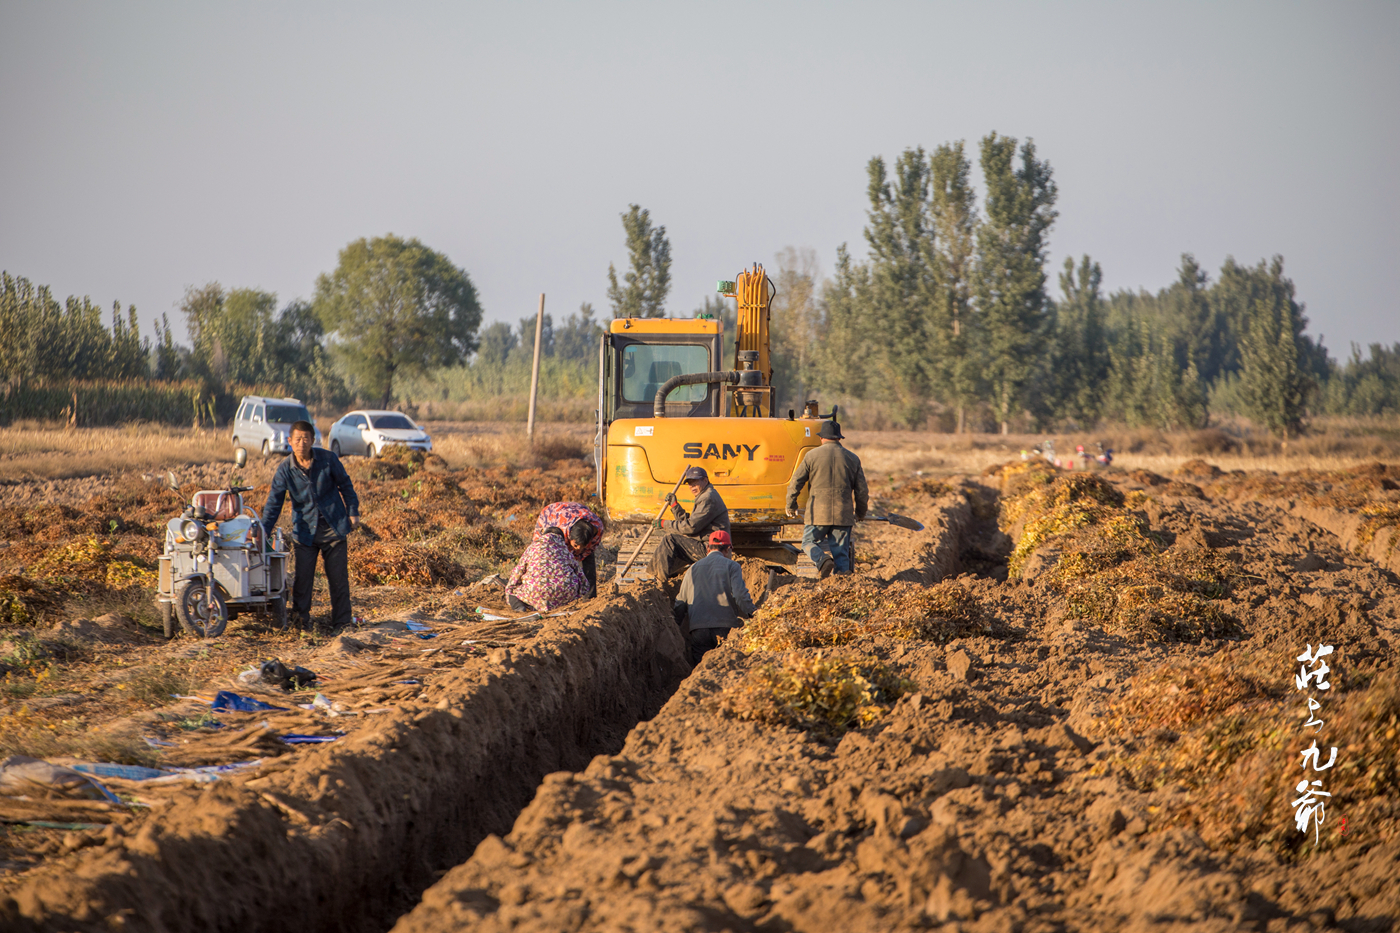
(844,609)
(814,691)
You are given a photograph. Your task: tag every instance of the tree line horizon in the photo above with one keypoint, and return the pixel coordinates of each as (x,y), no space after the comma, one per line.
(947,323)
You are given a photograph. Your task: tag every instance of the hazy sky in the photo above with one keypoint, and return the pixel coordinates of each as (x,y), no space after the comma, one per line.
(149,147)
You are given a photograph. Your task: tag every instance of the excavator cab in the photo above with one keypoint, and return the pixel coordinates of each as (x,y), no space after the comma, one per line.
(640,355)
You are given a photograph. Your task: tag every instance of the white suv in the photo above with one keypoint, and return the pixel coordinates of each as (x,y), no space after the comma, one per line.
(265,424)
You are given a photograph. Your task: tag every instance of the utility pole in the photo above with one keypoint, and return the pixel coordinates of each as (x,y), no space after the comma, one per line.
(535,371)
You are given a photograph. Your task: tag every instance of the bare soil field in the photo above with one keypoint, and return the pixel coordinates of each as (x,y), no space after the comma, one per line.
(1069,703)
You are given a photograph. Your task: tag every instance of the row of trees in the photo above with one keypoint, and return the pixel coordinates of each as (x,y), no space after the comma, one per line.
(391,308)
(42,339)
(949,316)
(951,313)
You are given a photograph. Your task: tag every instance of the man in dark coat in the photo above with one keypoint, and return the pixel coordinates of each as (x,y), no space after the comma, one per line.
(686,543)
(839,499)
(325,508)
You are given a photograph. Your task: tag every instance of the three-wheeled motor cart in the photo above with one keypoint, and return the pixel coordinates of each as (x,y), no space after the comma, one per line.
(219,562)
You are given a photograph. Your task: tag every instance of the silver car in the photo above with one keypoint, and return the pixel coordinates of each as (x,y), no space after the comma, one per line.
(368,433)
(265,424)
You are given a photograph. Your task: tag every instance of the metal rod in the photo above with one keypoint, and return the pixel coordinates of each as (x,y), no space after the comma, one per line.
(647,537)
(535,372)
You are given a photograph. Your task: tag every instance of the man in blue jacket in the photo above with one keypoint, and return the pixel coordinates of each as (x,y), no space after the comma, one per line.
(325,508)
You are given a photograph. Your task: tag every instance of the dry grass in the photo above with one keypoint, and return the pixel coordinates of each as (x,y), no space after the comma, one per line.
(814,691)
(33,451)
(511,408)
(30,451)
(1228,730)
(504,444)
(1333,444)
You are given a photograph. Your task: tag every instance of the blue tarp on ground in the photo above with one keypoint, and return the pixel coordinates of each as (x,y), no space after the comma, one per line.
(227,701)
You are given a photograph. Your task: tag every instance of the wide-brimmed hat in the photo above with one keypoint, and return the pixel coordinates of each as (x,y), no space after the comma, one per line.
(830,431)
(695,474)
(720,539)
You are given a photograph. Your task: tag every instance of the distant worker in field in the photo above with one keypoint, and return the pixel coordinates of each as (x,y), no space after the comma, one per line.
(713,596)
(325,508)
(838,500)
(583,532)
(547,576)
(686,542)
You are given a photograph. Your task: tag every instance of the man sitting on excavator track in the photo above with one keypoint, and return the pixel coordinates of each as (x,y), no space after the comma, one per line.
(686,544)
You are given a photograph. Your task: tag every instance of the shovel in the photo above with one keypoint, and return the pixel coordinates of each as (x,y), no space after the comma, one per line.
(899,521)
(617,580)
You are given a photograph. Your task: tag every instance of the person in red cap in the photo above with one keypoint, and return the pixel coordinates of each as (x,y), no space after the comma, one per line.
(686,542)
(713,596)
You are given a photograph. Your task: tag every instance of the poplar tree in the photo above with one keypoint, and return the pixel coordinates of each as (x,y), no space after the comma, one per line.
(647,282)
(1080,363)
(954,326)
(796,323)
(1273,383)
(1010,277)
(846,354)
(166,359)
(899,231)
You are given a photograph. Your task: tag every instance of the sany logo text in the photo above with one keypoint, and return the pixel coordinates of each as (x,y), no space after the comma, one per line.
(697,451)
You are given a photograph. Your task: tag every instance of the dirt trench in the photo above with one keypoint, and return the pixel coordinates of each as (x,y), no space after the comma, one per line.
(1016,790)
(346,836)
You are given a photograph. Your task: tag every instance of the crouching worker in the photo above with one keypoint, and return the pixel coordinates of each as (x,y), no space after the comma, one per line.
(713,596)
(547,576)
(583,531)
(686,542)
(325,508)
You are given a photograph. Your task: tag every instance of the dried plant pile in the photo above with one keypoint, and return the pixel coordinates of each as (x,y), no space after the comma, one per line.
(425,529)
(1377,517)
(1228,730)
(925,488)
(843,609)
(1112,569)
(828,694)
(1066,504)
(24,600)
(1340,489)
(1152,593)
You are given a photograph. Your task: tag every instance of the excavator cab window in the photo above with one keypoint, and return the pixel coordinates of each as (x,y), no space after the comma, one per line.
(635,367)
(647,367)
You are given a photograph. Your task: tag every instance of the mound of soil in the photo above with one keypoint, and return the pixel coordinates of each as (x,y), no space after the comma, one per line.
(357,826)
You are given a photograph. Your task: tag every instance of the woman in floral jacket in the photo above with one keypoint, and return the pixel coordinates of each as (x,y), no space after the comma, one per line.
(583,531)
(547,576)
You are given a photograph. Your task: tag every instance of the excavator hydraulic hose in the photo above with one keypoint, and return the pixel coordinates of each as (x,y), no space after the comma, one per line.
(690,379)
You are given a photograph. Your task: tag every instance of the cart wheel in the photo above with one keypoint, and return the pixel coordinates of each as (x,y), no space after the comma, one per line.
(280,614)
(167,618)
(192,610)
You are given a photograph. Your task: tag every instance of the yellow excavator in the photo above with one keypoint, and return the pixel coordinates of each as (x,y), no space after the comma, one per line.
(666,402)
